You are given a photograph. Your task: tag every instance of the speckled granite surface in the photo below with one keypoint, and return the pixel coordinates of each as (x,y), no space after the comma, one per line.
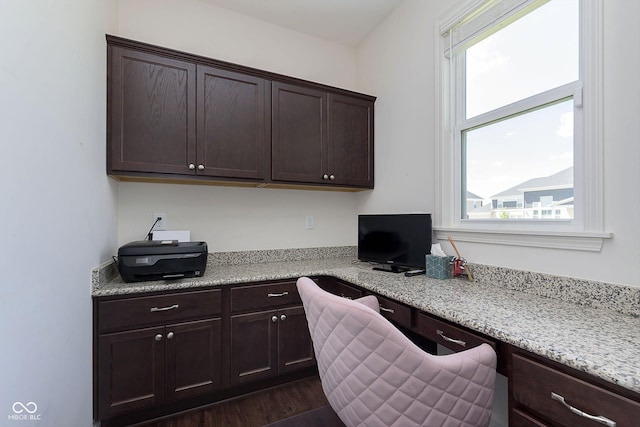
(624,299)
(532,311)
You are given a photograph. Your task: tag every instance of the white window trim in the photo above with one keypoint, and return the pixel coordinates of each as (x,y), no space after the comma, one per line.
(587,233)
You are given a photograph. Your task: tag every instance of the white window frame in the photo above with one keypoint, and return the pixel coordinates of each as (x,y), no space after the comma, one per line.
(586,231)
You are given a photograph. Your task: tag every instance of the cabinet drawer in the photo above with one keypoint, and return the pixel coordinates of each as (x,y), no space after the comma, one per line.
(521,419)
(264,296)
(338,288)
(450,336)
(394,311)
(131,312)
(540,388)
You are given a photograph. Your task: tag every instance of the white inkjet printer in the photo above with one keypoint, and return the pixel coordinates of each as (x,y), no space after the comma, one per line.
(161,259)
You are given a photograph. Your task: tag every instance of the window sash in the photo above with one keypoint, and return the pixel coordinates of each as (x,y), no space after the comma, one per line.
(482,18)
(569,90)
(584,234)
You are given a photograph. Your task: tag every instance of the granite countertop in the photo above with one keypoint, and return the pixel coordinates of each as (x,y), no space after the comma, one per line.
(601,342)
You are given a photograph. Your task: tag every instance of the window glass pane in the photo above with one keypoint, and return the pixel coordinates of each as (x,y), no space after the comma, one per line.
(538,52)
(521,167)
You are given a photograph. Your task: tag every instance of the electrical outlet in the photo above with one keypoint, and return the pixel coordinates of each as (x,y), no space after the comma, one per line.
(309,222)
(162,224)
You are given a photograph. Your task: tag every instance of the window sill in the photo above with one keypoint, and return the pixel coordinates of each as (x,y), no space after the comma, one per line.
(576,241)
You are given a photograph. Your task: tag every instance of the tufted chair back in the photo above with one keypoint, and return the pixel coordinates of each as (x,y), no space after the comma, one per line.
(372,375)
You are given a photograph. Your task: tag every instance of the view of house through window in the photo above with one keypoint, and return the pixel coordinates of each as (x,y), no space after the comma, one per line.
(520,87)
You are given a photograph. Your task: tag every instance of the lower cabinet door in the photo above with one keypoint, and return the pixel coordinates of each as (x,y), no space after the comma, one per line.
(295,348)
(130,370)
(194,358)
(254,346)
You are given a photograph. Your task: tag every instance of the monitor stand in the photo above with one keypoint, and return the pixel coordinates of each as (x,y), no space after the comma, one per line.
(391,268)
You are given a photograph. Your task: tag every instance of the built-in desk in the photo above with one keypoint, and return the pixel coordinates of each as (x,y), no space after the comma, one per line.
(542,342)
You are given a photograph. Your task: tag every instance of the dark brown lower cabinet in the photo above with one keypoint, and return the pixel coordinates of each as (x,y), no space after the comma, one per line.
(338,287)
(269,343)
(145,367)
(130,370)
(544,394)
(171,351)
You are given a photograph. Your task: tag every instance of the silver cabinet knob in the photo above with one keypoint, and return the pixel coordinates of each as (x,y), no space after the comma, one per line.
(158,337)
(325,176)
(274,319)
(283,317)
(192,166)
(170,335)
(200,167)
(332,177)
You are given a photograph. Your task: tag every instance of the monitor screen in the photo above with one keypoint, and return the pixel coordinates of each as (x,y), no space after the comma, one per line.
(399,241)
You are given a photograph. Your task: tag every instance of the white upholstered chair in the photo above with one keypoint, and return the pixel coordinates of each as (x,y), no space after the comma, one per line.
(373,375)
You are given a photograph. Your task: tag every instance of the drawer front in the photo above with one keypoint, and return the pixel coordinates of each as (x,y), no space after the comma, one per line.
(338,288)
(394,311)
(521,419)
(264,296)
(450,336)
(541,388)
(136,311)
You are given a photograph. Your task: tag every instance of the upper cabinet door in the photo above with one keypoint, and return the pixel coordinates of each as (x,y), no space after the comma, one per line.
(350,148)
(299,133)
(152,121)
(232,124)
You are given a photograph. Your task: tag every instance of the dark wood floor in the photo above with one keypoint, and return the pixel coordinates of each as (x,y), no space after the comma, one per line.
(254,410)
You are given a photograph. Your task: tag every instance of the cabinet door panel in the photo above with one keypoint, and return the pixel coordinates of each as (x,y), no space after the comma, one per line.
(350,147)
(232,137)
(254,346)
(298,133)
(295,348)
(130,370)
(152,113)
(194,357)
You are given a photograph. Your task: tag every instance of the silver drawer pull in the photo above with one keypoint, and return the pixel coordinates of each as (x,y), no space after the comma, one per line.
(171,307)
(446,338)
(601,420)
(283,294)
(387,310)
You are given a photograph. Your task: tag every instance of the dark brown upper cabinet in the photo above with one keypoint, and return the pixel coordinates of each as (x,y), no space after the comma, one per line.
(232,124)
(350,146)
(176,116)
(152,127)
(321,137)
(299,133)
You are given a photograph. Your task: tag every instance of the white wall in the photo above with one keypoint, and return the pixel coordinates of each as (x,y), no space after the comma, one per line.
(239,219)
(232,218)
(58,209)
(396,63)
